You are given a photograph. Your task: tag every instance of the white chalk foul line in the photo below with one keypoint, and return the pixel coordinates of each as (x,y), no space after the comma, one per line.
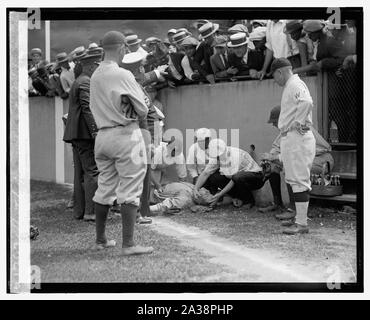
(198,238)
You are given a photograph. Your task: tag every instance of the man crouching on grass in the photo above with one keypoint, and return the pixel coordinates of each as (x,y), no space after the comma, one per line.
(120,177)
(233,171)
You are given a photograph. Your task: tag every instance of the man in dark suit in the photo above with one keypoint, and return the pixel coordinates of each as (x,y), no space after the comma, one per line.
(175,71)
(243,58)
(220,60)
(204,50)
(81,130)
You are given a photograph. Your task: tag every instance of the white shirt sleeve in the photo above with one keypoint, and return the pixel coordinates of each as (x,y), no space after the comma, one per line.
(268,35)
(187,68)
(64,83)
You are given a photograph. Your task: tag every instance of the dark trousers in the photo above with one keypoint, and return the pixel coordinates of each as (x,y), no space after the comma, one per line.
(245,183)
(275,183)
(85,177)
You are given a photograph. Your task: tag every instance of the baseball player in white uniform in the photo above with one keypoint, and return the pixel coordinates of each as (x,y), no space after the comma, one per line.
(297,140)
(120,177)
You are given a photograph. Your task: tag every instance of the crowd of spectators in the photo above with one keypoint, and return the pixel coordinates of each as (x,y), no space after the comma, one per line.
(243,51)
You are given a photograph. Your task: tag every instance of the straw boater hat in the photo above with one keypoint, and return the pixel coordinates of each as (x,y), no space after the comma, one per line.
(184,30)
(293,25)
(171,31)
(201,22)
(77,53)
(132,40)
(90,57)
(208,29)
(238,40)
(180,37)
(61,58)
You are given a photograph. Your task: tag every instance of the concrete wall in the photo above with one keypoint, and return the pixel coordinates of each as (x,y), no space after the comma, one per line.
(243,105)
(42,138)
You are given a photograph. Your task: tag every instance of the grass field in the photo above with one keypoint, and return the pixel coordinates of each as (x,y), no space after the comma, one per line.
(64,254)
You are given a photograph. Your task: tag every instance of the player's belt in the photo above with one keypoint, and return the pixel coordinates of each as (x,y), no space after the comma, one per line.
(283,134)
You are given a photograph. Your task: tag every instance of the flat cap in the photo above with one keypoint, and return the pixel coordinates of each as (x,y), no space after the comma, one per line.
(36,51)
(274,114)
(112,38)
(313,25)
(279,63)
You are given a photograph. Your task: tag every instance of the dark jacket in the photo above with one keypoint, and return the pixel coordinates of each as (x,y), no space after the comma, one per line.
(176,58)
(203,57)
(255,61)
(330,52)
(218,67)
(80,122)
